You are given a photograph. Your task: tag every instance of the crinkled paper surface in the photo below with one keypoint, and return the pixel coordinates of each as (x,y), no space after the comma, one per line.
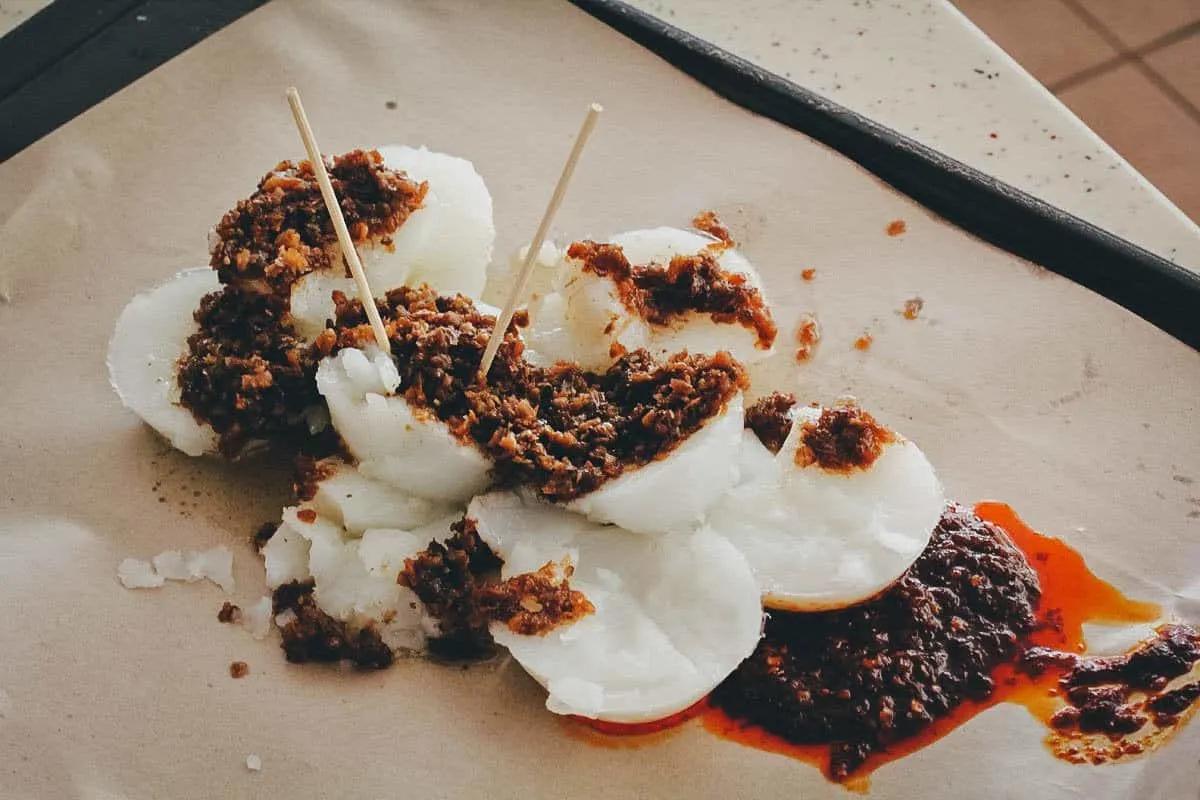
(1019,385)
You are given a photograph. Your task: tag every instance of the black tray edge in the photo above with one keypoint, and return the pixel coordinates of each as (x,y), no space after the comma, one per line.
(1157,290)
(73,54)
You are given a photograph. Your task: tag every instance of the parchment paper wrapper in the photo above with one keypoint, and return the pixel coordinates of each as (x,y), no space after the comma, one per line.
(1019,385)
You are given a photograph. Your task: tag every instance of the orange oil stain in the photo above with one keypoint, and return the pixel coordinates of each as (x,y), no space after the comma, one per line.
(622,735)
(1071,596)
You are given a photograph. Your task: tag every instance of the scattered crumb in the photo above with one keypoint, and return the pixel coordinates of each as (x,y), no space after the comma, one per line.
(257,618)
(808,274)
(229,613)
(135,573)
(808,336)
(912,308)
(307,515)
(710,223)
(239,669)
(864,342)
(391,105)
(896,227)
(215,564)
(253,763)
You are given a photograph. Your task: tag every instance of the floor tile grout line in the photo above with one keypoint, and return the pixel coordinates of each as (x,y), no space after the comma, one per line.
(1166,87)
(1167,39)
(1124,54)
(1087,73)
(1132,56)
(1093,22)
(1173,36)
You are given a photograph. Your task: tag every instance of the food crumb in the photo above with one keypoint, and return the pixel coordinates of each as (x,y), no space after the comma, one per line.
(808,336)
(710,223)
(390,105)
(306,515)
(864,342)
(239,669)
(808,274)
(135,573)
(912,308)
(229,613)
(253,763)
(896,227)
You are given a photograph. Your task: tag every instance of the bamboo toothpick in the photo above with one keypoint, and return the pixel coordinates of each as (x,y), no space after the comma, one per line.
(535,246)
(339,222)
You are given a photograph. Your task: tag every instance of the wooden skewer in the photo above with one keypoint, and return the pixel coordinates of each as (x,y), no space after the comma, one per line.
(535,246)
(339,222)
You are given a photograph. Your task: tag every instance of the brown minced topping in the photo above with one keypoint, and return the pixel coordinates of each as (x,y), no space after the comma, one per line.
(456,580)
(247,374)
(229,613)
(534,603)
(239,669)
(843,439)
(690,283)
(808,336)
(262,534)
(912,308)
(310,472)
(283,231)
(768,418)
(710,223)
(313,635)
(447,577)
(1167,707)
(560,430)
(1124,694)
(859,678)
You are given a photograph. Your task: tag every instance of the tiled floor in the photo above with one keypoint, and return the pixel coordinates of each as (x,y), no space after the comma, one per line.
(1130,69)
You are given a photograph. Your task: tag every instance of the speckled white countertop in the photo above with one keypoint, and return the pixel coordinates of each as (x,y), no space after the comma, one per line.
(921,68)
